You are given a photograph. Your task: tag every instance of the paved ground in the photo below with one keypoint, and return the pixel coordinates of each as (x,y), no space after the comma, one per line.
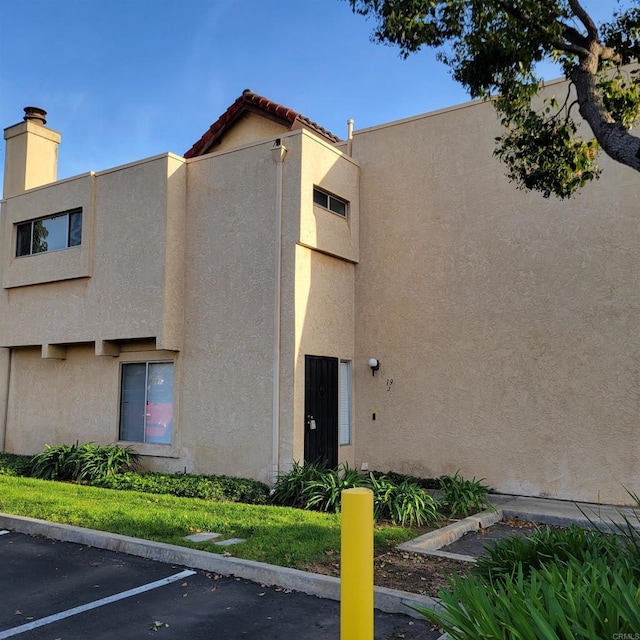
(126,597)
(134,595)
(473,543)
(561,513)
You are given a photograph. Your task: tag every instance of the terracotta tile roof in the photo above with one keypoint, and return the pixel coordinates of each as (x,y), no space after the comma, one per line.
(250,101)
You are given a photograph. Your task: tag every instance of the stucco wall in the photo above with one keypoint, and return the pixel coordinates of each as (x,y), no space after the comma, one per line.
(326,167)
(151,246)
(324,303)
(248,129)
(227,403)
(124,282)
(77,399)
(61,401)
(55,266)
(323,247)
(507,322)
(229,303)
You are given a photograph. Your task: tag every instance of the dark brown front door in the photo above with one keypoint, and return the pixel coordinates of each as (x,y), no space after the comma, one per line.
(321,410)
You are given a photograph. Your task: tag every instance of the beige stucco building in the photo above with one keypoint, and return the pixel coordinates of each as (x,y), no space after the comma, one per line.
(219,310)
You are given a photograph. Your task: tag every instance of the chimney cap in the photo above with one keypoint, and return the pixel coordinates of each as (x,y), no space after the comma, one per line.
(35,115)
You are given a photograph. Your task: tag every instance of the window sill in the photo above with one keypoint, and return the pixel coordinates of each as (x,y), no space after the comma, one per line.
(152,450)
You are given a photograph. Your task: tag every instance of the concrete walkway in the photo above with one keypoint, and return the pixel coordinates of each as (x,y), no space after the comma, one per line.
(561,513)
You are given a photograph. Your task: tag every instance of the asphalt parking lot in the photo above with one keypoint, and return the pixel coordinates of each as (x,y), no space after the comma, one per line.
(53,590)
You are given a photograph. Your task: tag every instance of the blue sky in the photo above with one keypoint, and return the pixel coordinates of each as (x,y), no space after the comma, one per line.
(127,79)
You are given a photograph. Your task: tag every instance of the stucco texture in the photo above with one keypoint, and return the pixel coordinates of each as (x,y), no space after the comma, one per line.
(61,401)
(229,305)
(115,286)
(507,322)
(324,325)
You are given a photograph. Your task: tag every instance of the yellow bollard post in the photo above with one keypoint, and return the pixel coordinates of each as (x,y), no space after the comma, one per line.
(356,565)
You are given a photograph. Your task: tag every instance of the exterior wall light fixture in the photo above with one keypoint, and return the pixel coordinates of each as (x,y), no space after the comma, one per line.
(374,363)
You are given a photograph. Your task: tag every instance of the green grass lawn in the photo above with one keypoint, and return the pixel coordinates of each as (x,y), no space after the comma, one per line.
(277,535)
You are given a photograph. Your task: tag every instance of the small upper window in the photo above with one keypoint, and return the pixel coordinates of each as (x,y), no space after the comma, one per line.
(326,200)
(57,232)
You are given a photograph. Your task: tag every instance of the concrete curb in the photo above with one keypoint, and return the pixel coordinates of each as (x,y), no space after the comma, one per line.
(387,600)
(552,512)
(441,537)
(460,557)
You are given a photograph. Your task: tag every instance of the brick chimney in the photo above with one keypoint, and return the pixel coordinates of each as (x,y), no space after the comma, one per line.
(31,153)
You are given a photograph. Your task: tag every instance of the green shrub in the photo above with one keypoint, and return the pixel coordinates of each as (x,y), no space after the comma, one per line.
(243,490)
(383,488)
(111,466)
(546,546)
(629,529)
(398,478)
(58,462)
(403,503)
(464,497)
(313,486)
(179,485)
(574,600)
(325,492)
(14,465)
(289,486)
(557,584)
(190,486)
(88,462)
(103,461)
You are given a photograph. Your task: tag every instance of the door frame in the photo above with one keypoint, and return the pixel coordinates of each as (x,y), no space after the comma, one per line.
(321,402)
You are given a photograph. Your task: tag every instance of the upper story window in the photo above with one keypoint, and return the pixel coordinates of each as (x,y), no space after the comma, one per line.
(332,203)
(60,231)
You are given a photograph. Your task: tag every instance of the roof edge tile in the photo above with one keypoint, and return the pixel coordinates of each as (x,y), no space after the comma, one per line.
(260,103)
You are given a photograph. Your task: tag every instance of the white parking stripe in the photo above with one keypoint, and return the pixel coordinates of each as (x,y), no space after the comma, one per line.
(93,605)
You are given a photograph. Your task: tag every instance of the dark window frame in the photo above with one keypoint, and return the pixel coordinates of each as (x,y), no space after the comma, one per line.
(328,201)
(25,233)
(153,408)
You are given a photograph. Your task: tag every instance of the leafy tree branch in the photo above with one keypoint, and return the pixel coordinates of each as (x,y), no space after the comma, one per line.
(493,48)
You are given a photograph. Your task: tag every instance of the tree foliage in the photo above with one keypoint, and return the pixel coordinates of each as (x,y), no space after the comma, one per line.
(494,48)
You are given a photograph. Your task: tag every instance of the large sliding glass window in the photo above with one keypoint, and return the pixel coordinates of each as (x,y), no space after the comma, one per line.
(146,402)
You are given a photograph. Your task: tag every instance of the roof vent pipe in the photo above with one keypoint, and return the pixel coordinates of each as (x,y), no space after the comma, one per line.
(349,137)
(35,115)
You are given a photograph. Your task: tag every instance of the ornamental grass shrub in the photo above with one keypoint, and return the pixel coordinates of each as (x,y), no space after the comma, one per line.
(547,546)
(289,486)
(88,462)
(464,497)
(325,492)
(315,487)
(557,584)
(559,600)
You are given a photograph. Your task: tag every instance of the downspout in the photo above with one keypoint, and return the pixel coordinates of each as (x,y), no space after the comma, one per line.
(4,395)
(278,151)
